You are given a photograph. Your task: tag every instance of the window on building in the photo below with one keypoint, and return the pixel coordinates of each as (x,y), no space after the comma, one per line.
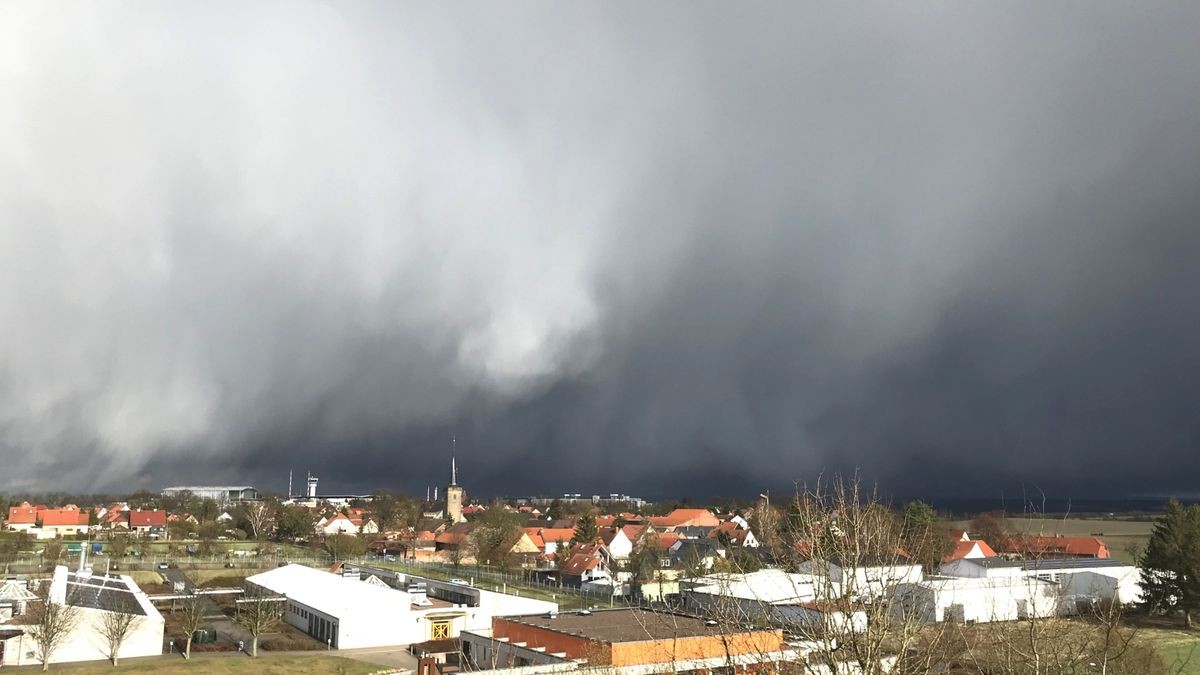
(439,630)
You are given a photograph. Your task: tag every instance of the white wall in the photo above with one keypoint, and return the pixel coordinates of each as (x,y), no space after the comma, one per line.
(964,567)
(1124,587)
(621,547)
(977,600)
(874,581)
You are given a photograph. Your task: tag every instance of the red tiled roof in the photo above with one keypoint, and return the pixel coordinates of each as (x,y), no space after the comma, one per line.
(633,531)
(451,538)
(668,539)
(22,515)
(67,516)
(963,548)
(681,517)
(535,536)
(558,534)
(583,557)
(1080,547)
(148,518)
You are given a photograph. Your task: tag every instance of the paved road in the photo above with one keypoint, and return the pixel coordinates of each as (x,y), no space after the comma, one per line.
(211,611)
(392,657)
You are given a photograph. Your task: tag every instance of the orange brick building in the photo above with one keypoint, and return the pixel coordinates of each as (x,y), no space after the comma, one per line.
(628,637)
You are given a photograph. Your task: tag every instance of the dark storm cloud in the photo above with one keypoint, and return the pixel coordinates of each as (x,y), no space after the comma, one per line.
(665,249)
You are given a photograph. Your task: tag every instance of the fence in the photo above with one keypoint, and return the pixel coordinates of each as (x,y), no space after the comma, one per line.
(517,583)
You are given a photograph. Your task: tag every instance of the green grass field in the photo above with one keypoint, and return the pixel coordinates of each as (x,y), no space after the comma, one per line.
(1121,536)
(1180,649)
(234,665)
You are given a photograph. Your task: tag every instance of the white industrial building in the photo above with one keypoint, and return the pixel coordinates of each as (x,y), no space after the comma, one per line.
(1078,579)
(772,595)
(976,599)
(222,494)
(95,596)
(867,578)
(348,613)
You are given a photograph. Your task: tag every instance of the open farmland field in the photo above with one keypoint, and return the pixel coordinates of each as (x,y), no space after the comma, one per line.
(1120,535)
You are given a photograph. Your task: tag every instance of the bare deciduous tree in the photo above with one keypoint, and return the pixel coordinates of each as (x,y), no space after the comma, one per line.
(115,628)
(50,624)
(191,619)
(258,612)
(260,517)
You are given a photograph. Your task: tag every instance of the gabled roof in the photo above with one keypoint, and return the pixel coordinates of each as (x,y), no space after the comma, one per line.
(680,517)
(535,536)
(580,563)
(148,518)
(1089,547)
(451,538)
(668,539)
(556,534)
(611,534)
(67,516)
(584,557)
(633,531)
(964,549)
(22,515)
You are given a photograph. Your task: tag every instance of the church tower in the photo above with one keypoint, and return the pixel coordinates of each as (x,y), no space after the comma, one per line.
(455,495)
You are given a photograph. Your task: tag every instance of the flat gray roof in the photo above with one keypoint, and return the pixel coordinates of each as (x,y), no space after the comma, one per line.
(625,625)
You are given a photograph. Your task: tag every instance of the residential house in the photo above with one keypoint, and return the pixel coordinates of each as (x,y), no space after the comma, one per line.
(688,554)
(339,523)
(969,549)
(525,550)
(550,539)
(685,517)
(150,523)
(66,521)
(1029,546)
(587,564)
(22,518)
(454,538)
(694,531)
(618,542)
(733,532)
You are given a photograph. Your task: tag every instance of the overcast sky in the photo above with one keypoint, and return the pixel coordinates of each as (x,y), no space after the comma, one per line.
(662,248)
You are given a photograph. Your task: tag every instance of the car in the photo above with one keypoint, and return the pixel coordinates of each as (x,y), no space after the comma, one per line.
(229,565)
(390,558)
(460,582)
(164,566)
